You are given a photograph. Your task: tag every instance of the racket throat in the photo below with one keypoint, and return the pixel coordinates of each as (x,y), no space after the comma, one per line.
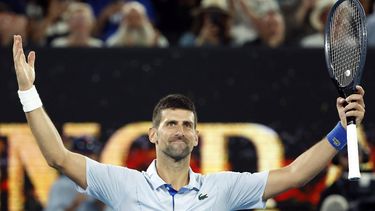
(346,91)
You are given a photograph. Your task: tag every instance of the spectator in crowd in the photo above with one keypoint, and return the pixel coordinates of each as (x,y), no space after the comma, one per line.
(318,19)
(12,21)
(175,17)
(63,194)
(32,11)
(53,24)
(371,28)
(109,19)
(99,5)
(242,29)
(136,29)
(211,26)
(269,23)
(245,22)
(80,19)
(11,24)
(297,22)
(109,15)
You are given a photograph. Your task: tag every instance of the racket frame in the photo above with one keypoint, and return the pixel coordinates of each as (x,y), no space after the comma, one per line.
(350,88)
(353,160)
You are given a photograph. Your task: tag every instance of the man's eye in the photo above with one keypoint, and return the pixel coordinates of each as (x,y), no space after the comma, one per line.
(189,125)
(171,123)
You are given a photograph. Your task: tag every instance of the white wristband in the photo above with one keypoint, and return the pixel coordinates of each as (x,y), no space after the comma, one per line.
(30,99)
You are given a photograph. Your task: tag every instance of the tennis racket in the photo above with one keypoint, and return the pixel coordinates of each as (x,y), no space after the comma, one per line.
(345,44)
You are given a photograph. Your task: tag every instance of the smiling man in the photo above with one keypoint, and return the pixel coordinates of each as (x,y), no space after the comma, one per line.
(169,183)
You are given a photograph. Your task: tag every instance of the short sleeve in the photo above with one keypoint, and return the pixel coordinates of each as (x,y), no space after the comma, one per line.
(107,182)
(61,195)
(244,190)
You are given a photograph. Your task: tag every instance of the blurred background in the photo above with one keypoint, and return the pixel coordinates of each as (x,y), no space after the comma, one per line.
(255,69)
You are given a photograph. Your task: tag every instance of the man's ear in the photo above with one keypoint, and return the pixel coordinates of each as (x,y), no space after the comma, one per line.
(152,135)
(196,138)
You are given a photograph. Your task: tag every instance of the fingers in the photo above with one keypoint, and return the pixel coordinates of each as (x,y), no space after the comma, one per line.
(18,53)
(21,56)
(358,115)
(355,103)
(360,90)
(17,47)
(354,113)
(18,60)
(17,43)
(340,102)
(357,97)
(31,59)
(354,107)
(354,97)
(14,45)
(24,69)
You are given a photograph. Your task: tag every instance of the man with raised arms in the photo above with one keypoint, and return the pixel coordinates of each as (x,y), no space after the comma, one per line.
(169,183)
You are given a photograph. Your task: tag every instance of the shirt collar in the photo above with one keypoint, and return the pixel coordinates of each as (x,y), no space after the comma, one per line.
(157,182)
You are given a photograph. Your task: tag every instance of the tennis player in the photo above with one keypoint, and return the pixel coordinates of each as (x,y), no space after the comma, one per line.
(169,183)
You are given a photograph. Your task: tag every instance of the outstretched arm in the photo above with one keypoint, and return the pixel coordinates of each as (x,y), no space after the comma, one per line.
(311,162)
(49,141)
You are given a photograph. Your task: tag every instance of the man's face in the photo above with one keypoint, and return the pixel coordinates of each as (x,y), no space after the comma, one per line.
(176,135)
(273,28)
(134,19)
(80,21)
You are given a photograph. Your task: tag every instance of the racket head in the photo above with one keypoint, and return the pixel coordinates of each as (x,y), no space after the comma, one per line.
(345,44)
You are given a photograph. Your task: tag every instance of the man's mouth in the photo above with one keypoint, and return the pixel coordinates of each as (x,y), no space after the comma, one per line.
(178,140)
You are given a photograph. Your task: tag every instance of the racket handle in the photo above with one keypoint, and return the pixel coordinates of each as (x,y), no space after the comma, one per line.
(353,161)
(350,120)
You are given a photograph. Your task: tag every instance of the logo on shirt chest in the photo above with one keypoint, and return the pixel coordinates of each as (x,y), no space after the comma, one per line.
(202,197)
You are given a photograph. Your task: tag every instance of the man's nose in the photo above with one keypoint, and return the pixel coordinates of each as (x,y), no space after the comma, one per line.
(179,130)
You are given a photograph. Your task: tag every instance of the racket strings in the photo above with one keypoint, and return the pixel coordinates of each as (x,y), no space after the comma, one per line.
(345,39)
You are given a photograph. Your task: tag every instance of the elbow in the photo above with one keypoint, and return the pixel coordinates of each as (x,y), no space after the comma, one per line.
(54,164)
(299,183)
(57,162)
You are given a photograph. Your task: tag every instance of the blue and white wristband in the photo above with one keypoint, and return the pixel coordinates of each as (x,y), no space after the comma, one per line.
(337,137)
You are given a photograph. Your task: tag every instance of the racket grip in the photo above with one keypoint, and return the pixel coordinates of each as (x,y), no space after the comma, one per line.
(350,120)
(353,160)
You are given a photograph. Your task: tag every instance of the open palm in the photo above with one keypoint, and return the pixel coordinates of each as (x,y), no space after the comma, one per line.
(24,69)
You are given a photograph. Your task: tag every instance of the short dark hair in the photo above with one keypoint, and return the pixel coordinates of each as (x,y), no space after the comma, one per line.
(173,101)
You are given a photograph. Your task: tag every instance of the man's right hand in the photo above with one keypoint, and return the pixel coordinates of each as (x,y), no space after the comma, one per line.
(24,69)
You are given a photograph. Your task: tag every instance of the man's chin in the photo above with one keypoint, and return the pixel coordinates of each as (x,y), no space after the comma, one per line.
(177,154)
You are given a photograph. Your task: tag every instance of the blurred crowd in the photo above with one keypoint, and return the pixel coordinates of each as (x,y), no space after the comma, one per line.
(163,23)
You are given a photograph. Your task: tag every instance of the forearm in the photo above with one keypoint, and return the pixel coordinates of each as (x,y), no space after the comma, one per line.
(100,24)
(300,15)
(254,19)
(311,162)
(301,170)
(47,137)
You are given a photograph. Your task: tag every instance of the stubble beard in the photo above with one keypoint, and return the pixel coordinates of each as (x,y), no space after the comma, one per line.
(176,153)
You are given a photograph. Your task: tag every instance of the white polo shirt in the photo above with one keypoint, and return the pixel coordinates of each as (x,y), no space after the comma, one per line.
(122,188)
